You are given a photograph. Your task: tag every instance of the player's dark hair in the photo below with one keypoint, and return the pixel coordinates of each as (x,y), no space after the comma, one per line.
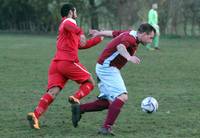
(65,9)
(147,28)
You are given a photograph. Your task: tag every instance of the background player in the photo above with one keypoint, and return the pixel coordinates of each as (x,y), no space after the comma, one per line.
(153,20)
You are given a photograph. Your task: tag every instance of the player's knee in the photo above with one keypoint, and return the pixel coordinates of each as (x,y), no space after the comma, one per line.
(91,80)
(54,91)
(123,97)
(91,85)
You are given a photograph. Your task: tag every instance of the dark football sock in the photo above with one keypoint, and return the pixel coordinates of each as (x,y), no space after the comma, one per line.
(113,112)
(96,105)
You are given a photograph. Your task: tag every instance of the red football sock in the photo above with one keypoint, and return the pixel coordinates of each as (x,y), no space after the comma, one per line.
(84,90)
(113,112)
(96,105)
(43,104)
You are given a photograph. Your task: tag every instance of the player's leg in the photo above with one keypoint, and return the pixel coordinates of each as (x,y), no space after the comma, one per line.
(112,88)
(82,77)
(55,83)
(156,39)
(148,46)
(46,100)
(42,106)
(156,42)
(78,109)
(97,105)
(113,112)
(84,89)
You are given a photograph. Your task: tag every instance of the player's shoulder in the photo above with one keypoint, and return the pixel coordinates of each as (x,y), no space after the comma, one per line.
(152,11)
(125,34)
(130,36)
(69,21)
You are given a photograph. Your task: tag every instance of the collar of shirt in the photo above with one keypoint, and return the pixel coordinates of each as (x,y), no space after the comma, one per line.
(64,19)
(134,34)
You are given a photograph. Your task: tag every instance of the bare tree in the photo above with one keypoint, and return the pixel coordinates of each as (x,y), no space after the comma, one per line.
(94,15)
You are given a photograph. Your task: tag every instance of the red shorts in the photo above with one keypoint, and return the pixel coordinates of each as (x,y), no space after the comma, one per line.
(61,71)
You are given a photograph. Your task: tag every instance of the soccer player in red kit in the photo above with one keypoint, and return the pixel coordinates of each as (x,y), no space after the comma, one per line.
(65,65)
(113,93)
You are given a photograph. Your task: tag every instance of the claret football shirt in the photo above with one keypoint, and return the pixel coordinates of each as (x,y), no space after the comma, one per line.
(111,57)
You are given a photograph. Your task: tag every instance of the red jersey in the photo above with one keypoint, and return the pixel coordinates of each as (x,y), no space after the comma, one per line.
(111,57)
(68,40)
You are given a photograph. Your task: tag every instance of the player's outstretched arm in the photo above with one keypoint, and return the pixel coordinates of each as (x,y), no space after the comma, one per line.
(106,33)
(83,40)
(91,42)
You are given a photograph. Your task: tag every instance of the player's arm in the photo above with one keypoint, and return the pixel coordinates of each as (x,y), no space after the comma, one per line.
(71,27)
(106,33)
(121,48)
(115,33)
(91,42)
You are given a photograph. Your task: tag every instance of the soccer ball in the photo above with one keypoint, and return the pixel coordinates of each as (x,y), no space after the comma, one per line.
(149,105)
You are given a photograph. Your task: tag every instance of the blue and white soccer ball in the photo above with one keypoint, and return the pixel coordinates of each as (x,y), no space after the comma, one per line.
(149,105)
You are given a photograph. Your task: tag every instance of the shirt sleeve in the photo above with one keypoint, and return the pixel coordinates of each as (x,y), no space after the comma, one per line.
(71,27)
(128,41)
(115,33)
(91,42)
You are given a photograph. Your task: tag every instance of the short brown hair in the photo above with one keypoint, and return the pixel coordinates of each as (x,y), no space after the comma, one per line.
(147,28)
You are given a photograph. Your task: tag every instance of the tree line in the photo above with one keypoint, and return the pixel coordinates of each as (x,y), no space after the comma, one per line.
(176,17)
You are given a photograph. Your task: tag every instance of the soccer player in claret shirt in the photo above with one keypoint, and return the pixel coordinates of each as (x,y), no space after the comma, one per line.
(113,93)
(65,65)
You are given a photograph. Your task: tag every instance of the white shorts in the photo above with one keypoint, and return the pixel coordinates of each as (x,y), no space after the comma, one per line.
(111,84)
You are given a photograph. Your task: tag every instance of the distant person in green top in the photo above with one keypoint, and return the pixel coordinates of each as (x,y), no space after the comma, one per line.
(153,20)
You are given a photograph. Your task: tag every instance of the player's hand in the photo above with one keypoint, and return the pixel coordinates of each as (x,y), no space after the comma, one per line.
(134,59)
(102,38)
(93,32)
(82,40)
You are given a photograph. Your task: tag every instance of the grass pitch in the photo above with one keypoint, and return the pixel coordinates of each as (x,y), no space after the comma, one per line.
(170,75)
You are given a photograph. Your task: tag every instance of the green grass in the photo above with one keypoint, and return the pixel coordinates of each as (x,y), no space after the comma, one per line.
(170,75)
